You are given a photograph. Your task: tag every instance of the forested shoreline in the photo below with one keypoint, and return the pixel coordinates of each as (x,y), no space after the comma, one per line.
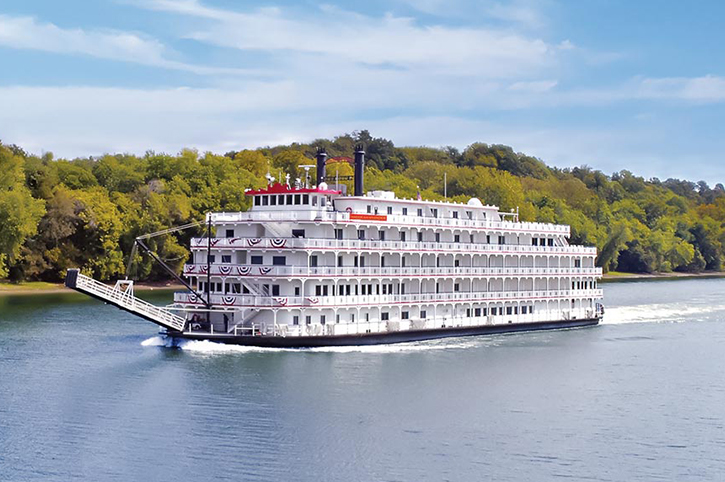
(57,213)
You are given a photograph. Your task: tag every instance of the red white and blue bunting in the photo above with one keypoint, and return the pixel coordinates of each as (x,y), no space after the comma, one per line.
(278,242)
(313,301)
(229,300)
(281,301)
(253,241)
(264,269)
(225,270)
(244,270)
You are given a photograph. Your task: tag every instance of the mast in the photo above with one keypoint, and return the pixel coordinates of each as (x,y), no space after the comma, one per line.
(208,265)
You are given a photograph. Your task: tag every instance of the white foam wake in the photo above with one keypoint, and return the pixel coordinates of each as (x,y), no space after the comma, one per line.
(658,313)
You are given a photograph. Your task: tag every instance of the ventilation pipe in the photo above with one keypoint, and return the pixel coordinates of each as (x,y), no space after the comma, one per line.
(321,160)
(359,169)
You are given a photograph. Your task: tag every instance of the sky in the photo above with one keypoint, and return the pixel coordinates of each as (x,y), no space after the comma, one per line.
(612,84)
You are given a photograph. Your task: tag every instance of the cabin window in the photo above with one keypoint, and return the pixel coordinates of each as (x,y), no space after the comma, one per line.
(471,241)
(577,263)
(404,315)
(280,199)
(457,263)
(384,316)
(230,233)
(297,199)
(405,211)
(325,290)
(314,200)
(455,214)
(279,260)
(469,214)
(211,258)
(402,289)
(456,238)
(245,290)
(488,239)
(390,210)
(257,259)
(337,318)
(338,233)
(296,320)
(352,317)
(535,241)
(523,310)
(438,237)
(226,258)
(468,312)
(257,200)
(318,290)
(456,287)
(509,310)
(477,312)
(339,261)
(381,235)
(308,319)
(236,288)
(355,261)
(305,199)
(272,200)
(502,240)
(516,310)
(420,212)
(550,242)
(362,261)
(323,319)
(370,209)
(360,234)
(265,200)
(420,236)
(298,233)
(485,312)
(323,201)
(434,212)
(289,199)
(423,314)
(402,235)
(382,261)
(220,288)
(313,261)
(297,290)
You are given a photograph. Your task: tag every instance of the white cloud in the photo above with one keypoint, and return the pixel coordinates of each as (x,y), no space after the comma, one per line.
(28,33)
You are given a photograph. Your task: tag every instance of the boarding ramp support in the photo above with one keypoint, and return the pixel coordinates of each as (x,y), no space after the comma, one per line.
(122,297)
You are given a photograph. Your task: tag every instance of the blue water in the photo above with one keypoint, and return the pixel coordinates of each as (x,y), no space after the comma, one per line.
(90,393)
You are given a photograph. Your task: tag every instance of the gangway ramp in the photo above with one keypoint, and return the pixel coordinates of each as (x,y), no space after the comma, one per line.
(122,297)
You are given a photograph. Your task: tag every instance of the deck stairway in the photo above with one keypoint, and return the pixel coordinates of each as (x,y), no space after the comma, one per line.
(122,297)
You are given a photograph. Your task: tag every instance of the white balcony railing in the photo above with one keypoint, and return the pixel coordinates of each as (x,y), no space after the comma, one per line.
(377,245)
(391,220)
(254,271)
(247,301)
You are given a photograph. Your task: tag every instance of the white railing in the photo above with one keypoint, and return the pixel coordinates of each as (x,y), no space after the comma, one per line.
(131,303)
(254,271)
(235,300)
(391,219)
(377,245)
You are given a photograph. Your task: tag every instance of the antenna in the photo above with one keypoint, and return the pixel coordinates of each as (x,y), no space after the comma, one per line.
(445,185)
(307,168)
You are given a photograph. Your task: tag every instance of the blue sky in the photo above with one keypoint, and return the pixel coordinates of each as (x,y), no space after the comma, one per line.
(608,83)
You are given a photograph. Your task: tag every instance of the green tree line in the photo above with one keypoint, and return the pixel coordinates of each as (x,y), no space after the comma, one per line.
(57,214)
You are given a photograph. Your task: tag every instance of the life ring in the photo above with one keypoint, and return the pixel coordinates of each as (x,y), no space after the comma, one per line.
(349,210)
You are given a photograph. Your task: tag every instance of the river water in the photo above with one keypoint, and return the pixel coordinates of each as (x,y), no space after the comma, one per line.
(90,393)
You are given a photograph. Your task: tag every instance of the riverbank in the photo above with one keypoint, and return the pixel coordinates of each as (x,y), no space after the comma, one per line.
(615,276)
(42,288)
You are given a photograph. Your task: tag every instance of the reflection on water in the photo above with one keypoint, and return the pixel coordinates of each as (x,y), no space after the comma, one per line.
(89,392)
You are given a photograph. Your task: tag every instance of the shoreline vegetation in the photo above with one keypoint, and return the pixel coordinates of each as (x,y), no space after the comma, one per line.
(85,213)
(44,288)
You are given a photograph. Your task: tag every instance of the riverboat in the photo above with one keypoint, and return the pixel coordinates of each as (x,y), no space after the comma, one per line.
(309,266)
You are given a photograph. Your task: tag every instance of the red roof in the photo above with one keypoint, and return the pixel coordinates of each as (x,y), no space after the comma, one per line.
(278,188)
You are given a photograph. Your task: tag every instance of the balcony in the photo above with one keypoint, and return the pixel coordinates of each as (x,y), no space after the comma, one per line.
(232,301)
(391,220)
(257,271)
(377,245)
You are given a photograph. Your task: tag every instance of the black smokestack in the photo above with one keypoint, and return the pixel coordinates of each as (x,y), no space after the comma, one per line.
(359,169)
(321,159)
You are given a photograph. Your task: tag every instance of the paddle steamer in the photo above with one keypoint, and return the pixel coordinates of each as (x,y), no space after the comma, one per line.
(309,266)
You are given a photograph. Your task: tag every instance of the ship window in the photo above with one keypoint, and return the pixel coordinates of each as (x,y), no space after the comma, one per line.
(384,316)
(381,235)
(488,239)
(456,238)
(423,314)
(226,258)
(457,263)
(298,233)
(313,261)
(279,260)
(468,312)
(367,316)
(337,318)
(308,319)
(455,214)
(420,212)
(230,233)
(355,261)
(502,240)
(219,288)
(352,317)
(305,199)
(314,200)
(469,214)
(577,263)
(516,310)
(402,289)
(245,290)
(272,200)
(542,242)
(402,235)
(523,310)
(471,238)
(402,262)
(420,236)
(404,315)
(485,312)
(438,237)
(339,261)
(338,233)
(297,198)
(434,212)
(318,290)
(325,290)
(236,288)
(535,241)
(509,310)
(297,290)
(322,319)
(257,259)
(275,290)
(211,258)
(265,200)
(362,261)
(457,287)
(405,211)
(296,320)
(370,209)
(550,242)
(289,199)
(257,200)
(361,234)
(390,209)
(477,312)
